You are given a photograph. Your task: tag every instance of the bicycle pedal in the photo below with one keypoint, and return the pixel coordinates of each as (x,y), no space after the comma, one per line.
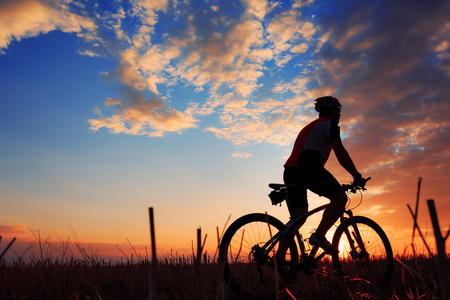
(307,270)
(309,262)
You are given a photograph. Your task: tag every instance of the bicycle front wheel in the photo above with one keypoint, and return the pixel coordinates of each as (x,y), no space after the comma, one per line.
(364,251)
(247,269)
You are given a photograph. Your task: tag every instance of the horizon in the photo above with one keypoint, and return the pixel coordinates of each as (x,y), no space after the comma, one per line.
(192,108)
(44,247)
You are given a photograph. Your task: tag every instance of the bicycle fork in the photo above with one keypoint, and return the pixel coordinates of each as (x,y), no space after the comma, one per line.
(358,249)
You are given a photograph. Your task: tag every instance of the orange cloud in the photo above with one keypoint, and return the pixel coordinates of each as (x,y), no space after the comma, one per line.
(144,117)
(11,231)
(27,18)
(242,155)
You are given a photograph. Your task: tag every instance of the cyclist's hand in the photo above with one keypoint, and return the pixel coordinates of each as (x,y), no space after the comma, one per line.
(359,182)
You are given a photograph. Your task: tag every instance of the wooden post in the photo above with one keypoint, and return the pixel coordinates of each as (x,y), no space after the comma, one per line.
(199,246)
(416,225)
(198,261)
(218,242)
(153,279)
(7,247)
(417,207)
(440,245)
(152,235)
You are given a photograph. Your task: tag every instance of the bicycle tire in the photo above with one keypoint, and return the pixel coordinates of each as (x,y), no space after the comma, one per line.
(237,259)
(379,266)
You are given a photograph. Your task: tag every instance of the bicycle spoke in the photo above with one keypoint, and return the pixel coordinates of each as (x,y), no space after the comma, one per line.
(248,269)
(364,251)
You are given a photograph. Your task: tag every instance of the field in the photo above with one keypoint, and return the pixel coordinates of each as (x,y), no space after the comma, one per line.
(183,278)
(63,276)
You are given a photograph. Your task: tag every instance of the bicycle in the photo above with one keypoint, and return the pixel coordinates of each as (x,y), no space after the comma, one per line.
(247,253)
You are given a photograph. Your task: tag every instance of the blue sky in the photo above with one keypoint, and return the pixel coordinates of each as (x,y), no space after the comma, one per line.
(192,107)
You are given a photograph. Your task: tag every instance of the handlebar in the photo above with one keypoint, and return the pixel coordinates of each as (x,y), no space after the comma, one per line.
(356,187)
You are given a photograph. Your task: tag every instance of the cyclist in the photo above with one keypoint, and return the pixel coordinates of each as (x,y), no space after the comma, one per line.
(305,169)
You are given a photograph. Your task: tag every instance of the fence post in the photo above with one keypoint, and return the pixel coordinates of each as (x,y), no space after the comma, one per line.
(199,246)
(417,207)
(7,247)
(198,261)
(440,245)
(153,280)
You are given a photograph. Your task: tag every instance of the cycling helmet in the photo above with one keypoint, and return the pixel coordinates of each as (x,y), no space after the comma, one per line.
(326,103)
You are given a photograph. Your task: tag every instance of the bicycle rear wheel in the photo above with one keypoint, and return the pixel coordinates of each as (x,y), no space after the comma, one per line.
(247,271)
(368,257)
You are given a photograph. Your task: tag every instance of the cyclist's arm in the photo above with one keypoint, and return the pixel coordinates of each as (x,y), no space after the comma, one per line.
(344,158)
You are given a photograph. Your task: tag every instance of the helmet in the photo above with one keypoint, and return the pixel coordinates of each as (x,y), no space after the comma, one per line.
(326,103)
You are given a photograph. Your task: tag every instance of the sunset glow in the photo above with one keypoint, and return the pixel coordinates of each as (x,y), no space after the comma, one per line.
(108,108)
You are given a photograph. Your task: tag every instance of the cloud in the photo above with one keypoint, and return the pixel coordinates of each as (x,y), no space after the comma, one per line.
(377,210)
(147,10)
(287,29)
(26,18)
(229,61)
(11,231)
(226,59)
(88,53)
(242,155)
(257,8)
(141,116)
(268,121)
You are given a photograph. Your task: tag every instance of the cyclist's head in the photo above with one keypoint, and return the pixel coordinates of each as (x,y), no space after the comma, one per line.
(328,106)
(326,103)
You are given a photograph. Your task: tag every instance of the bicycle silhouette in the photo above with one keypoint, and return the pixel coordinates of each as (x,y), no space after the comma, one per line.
(248,260)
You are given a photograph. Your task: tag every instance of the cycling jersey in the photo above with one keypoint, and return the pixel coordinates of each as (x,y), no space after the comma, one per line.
(315,136)
(305,167)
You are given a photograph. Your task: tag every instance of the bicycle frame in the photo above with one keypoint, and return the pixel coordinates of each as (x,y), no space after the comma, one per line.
(274,240)
(279,235)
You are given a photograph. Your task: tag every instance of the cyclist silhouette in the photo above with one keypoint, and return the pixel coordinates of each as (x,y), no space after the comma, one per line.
(304,170)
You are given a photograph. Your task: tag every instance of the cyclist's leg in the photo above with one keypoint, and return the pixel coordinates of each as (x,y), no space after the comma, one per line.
(296,201)
(332,213)
(324,184)
(283,246)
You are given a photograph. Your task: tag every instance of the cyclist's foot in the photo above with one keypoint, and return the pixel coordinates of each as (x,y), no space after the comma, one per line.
(307,264)
(282,267)
(322,242)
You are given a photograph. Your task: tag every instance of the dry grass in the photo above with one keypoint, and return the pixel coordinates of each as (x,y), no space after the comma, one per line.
(179,278)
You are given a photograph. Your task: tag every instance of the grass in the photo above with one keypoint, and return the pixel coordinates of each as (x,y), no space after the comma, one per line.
(82,279)
(180,278)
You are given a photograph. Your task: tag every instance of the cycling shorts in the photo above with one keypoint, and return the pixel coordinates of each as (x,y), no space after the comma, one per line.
(311,175)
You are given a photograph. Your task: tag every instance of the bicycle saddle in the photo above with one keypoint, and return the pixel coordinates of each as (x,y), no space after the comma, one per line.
(277,186)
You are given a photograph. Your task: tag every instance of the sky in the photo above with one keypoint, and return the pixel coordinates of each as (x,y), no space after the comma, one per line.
(108,108)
